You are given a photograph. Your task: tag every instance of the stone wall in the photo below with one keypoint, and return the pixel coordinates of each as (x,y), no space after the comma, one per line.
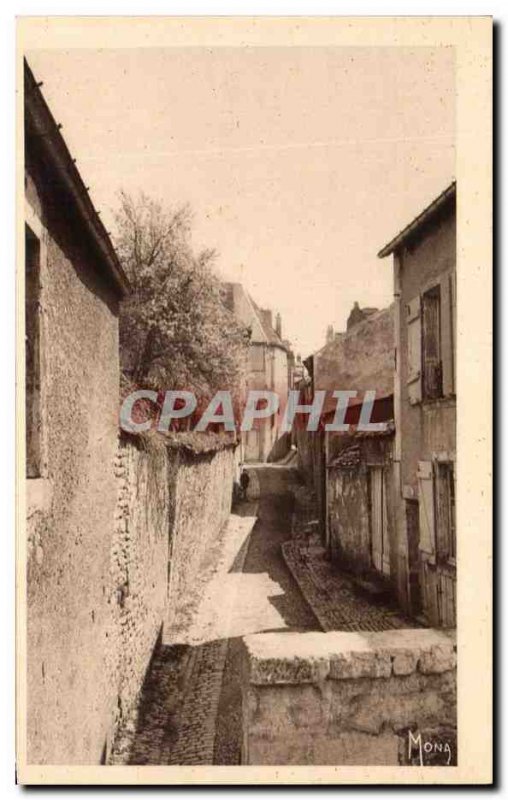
(173,501)
(138,592)
(385,698)
(201,486)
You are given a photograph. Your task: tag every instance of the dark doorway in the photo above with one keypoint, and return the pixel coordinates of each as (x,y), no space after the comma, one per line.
(413,540)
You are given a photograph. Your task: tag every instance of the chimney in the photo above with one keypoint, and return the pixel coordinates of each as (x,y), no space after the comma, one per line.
(355,316)
(267,316)
(329,334)
(278,325)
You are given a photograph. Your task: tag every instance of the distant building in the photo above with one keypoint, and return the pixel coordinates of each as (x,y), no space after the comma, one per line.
(424,262)
(298,373)
(351,472)
(360,519)
(73,287)
(271,366)
(360,358)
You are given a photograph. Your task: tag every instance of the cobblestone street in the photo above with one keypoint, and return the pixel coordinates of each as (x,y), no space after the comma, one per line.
(191,708)
(333,596)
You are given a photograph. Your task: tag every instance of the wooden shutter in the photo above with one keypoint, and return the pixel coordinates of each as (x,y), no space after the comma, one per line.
(431,337)
(414,350)
(447,334)
(453,326)
(426,508)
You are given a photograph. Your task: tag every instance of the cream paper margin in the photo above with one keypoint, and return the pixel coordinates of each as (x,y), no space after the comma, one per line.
(471,38)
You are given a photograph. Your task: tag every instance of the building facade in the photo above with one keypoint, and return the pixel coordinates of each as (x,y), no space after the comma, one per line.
(73,286)
(271,366)
(424,262)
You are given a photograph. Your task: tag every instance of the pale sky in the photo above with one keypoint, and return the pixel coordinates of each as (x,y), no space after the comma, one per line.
(299,163)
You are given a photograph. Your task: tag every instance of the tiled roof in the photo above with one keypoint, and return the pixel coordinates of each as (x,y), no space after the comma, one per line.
(349,457)
(271,334)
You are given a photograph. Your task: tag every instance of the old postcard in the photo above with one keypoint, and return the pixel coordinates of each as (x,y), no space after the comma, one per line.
(254,347)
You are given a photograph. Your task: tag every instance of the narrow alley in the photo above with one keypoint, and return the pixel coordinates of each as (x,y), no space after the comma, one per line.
(190,711)
(191,707)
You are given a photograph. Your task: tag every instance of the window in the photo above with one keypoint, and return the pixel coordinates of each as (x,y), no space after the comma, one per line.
(257,358)
(430,320)
(431,344)
(32,354)
(445,512)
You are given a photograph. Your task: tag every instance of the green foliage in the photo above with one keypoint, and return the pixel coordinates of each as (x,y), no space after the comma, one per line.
(175,331)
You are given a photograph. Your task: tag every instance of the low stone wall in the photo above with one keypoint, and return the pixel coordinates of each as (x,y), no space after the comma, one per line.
(386,698)
(172,503)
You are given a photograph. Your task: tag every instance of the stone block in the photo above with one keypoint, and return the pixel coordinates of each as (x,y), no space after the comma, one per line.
(439,658)
(360,664)
(288,670)
(405,662)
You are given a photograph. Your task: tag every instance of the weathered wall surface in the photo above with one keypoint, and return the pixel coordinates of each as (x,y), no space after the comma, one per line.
(201,488)
(172,505)
(348,517)
(138,593)
(348,500)
(71,505)
(346,698)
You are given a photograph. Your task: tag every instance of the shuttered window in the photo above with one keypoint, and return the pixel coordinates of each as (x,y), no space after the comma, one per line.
(447,333)
(436,494)
(431,342)
(453,329)
(425,477)
(431,360)
(414,350)
(445,512)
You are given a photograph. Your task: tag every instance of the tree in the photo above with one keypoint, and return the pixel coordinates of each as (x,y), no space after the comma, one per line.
(175,331)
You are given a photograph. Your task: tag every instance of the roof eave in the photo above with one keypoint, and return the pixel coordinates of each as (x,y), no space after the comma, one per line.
(62,162)
(428,213)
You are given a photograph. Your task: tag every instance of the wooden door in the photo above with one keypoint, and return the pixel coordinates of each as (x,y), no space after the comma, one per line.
(380,544)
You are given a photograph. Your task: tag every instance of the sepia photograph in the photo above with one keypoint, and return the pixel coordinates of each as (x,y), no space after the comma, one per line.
(252,258)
